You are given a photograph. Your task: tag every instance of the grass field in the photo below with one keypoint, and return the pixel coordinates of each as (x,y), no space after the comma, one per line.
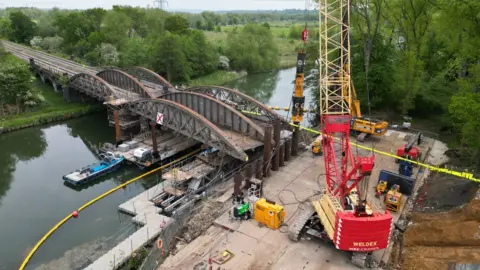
(54,106)
(288,47)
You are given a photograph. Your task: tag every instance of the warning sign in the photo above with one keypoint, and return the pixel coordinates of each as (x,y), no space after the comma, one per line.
(160,118)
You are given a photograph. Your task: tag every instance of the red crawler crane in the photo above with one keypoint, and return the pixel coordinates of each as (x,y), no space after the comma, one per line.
(341,215)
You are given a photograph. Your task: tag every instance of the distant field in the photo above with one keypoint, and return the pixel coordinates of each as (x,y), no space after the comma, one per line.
(288,48)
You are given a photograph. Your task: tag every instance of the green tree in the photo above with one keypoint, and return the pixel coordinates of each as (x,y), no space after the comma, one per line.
(22,28)
(116,26)
(198,25)
(138,17)
(134,52)
(201,55)
(176,24)
(210,25)
(15,80)
(170,58)
(252,49)
(5,28)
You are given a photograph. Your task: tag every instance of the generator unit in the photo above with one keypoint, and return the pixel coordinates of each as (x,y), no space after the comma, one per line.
(269,213)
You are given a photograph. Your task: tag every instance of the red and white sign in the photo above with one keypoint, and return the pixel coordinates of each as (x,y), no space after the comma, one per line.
(305,35)
(160,118)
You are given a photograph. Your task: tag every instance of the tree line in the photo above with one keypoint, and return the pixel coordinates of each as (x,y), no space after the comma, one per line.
(126,36)
(420,58)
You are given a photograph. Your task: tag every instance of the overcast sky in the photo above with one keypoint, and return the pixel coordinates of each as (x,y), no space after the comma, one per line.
(172,4)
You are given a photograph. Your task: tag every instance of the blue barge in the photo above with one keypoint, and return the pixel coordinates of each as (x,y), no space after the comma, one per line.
(108,163)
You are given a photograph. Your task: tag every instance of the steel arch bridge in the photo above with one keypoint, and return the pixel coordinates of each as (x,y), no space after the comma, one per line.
(240,101)
(187,122)
(209,114)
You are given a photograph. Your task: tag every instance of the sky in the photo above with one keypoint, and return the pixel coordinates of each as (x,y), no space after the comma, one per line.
(171,4)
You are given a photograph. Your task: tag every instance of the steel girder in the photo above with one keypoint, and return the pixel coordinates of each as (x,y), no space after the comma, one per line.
(148,75)
(125,81)
(218,113)
(187,122)
(240,101)
(92,85)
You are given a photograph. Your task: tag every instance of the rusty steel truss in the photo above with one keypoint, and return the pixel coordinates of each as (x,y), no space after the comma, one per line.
(218,113)
(92,85)
(124,81)
(187,122)
(144,74)
(240,101)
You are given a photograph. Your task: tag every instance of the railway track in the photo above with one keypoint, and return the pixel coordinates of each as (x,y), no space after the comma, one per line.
(47,60)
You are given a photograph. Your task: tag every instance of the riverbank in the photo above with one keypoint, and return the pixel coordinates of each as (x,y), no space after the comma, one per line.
(219,77)
(53,109)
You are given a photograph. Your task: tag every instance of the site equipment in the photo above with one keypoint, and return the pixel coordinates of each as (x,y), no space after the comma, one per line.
(350,224)
(393,199)
(381,188)
(298,100)
(410,149)
(405,167)
(363,127)
(242,210)
(269,213)
(317,146)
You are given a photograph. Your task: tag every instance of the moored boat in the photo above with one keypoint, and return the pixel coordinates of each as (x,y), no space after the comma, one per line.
(108,163)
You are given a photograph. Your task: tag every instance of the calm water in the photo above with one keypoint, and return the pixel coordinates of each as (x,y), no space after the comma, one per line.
(33,197)
(274,89)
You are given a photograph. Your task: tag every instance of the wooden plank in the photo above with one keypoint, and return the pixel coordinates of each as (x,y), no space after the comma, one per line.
(173,191)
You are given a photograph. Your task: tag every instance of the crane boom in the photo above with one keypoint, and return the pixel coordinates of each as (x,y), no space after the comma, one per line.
(336,97)
(340,214)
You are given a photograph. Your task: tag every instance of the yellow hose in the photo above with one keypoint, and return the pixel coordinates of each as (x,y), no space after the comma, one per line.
(83,207)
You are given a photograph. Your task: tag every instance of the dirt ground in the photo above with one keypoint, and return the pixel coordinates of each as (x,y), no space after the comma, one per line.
(444,228)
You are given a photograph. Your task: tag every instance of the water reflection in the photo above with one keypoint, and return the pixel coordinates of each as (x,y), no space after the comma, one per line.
(274,89)
(22,145)
(259,86)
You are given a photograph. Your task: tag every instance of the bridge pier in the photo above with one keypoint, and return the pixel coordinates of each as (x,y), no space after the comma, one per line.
(154,139)
(276,138)
(288,144)
(70,94)
(295,134)
(267,150)
(118,130)
(281,155)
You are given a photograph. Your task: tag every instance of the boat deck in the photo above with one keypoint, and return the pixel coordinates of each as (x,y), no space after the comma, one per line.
(168,144)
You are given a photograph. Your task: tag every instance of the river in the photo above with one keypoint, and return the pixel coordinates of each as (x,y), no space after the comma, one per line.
(33,197)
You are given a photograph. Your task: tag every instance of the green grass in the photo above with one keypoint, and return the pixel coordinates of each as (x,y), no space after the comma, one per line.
(219,77)
(54,106)
(288,48)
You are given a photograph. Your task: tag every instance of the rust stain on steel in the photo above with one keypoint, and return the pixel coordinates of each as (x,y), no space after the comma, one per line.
(180,117)
(93,78)
(262,108)
(184,98)
(153,74)
(125,81)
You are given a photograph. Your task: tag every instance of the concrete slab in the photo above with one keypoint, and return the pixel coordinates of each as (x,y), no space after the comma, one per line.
(121,252)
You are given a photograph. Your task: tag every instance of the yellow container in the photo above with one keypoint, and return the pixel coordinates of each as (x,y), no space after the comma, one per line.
(269,213)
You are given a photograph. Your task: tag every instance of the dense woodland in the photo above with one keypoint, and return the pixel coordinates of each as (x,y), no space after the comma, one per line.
(418,57)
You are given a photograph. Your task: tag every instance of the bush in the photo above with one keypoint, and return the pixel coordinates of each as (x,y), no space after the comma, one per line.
(36,42)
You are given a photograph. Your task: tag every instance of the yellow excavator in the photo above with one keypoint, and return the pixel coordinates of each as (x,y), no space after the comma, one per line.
(360,126)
